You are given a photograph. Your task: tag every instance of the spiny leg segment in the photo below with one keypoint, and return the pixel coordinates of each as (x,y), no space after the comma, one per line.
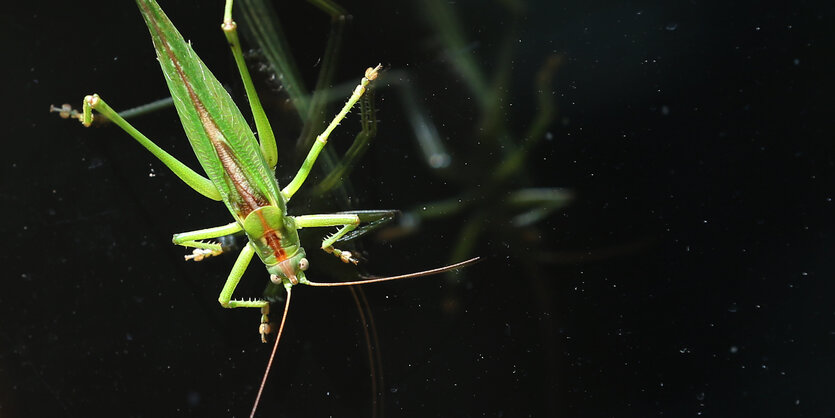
(322,140)
(207,249)
(225,297)
(347,222)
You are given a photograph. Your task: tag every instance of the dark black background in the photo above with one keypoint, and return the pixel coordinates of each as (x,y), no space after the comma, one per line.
(691,275)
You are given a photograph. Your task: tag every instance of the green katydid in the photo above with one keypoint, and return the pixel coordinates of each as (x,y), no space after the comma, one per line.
(241,170)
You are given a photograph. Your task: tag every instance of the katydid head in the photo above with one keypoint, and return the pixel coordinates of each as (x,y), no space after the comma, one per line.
(290,271)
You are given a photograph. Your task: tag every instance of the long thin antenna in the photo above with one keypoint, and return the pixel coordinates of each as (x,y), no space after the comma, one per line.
(272,355)
(402,276)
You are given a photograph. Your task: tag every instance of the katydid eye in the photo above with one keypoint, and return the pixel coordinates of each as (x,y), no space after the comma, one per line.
(303,264)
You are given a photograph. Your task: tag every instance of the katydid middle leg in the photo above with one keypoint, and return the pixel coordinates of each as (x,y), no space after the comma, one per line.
(322,139)
(208,249)
(205,249)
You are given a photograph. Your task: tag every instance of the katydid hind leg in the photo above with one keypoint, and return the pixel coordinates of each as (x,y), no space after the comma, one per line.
(66,111)
(194,180)
(262,124)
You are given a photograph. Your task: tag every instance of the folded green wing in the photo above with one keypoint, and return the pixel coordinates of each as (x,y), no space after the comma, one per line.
(215,127)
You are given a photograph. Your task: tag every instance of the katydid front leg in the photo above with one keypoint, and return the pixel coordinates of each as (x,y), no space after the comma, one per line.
(232,281)
(208,249)
(348,222)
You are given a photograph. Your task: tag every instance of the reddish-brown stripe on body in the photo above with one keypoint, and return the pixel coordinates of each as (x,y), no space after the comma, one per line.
(251,199)
(273,239)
